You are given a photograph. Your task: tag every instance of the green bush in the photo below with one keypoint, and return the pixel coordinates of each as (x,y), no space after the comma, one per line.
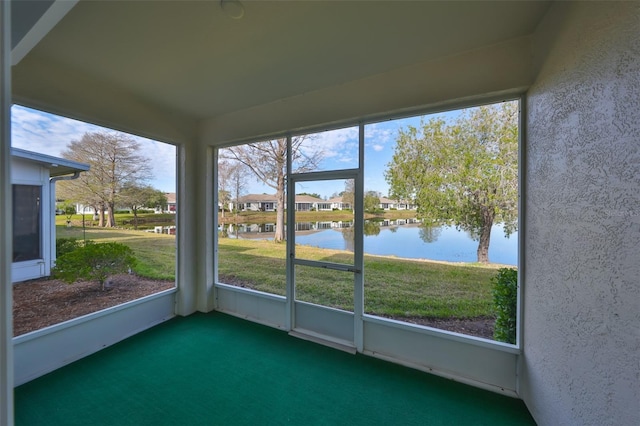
(505,300)
(66,245)
(94,262)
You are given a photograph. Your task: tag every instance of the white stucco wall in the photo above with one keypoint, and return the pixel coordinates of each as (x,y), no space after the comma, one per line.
(581,363)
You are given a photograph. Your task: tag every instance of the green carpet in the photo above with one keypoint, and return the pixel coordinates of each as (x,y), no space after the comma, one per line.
(214,369)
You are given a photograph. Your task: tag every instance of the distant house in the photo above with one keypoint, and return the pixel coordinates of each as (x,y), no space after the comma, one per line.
(269,203)
(171,202)
(388,204)
(170,207)
(338,203)
(257,203)
(33,180)
(306,203)
(405,205)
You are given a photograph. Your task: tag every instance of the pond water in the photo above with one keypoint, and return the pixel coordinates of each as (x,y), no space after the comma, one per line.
(402,238)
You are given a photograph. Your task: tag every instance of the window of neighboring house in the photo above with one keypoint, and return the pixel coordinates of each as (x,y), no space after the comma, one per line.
(27,222)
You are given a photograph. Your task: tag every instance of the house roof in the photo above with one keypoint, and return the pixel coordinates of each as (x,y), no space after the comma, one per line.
(171,197)
(339,199)
(308,199)
(57,166)
(250,198)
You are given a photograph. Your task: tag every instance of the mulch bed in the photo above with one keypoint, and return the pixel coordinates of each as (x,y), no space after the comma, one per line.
(44,302)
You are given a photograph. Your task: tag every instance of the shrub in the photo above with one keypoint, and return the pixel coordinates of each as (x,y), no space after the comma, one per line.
(94,262)
(505,300)
(66,245)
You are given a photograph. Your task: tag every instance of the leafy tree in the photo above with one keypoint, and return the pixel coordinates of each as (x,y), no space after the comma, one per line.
(115,163)
(135,197)
(268,162)
(463,173)
(94,262)
(371,201)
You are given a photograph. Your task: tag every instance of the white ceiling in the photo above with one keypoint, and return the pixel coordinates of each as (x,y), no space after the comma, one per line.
(189,57)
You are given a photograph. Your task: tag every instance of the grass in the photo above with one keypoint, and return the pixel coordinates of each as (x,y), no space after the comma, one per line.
(156,253)
(393,287)
(123,220)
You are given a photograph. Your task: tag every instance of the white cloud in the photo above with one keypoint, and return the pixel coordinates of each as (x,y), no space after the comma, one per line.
(50,134)
(340,145)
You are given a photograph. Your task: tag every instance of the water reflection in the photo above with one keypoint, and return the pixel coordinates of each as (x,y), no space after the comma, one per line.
(409,238)
(429,233)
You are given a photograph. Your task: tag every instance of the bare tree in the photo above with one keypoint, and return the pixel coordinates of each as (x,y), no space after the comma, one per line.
(232,177)
(268,162)
(115,163)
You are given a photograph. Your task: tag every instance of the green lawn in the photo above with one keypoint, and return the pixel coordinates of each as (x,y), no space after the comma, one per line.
(393,287)
(123,220)
(156,253)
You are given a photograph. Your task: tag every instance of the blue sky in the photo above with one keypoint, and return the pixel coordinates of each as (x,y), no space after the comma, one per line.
(50,134)
(340,152)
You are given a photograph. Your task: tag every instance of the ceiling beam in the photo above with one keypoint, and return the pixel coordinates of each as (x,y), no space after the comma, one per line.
(41,28)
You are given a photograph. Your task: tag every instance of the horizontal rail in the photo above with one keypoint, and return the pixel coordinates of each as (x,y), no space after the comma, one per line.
(327,265)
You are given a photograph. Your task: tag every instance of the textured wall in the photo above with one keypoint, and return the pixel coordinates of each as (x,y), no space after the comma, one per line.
(581,360)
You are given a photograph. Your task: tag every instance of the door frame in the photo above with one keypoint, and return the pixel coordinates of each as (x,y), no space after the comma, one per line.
(357,174)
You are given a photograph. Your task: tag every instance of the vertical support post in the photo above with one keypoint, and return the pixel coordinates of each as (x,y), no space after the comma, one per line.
(522,182)
(358,293)
(290,233)
(186,233)
(214,244)
(6,227)
(52,228)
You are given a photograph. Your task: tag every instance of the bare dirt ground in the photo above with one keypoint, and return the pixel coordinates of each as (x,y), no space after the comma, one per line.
(44,302)
(479,327)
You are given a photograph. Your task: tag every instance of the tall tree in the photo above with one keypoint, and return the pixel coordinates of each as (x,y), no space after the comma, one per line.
(349,193)
(115,162)
(371,201)
(231,181)
(268,162)
(135,197)
(464,172)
